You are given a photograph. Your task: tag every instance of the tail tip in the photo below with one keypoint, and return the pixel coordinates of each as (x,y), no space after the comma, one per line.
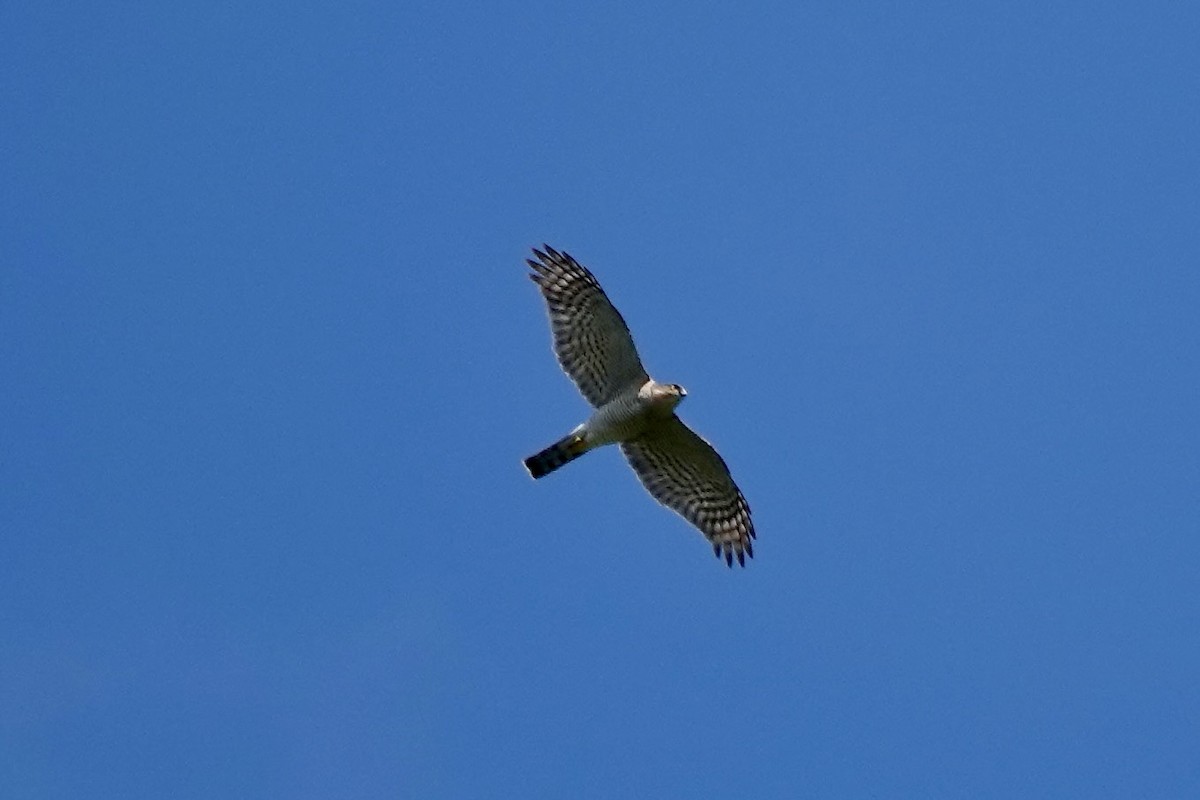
(536,467)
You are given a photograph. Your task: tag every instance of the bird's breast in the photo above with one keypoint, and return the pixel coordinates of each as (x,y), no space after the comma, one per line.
(618,420)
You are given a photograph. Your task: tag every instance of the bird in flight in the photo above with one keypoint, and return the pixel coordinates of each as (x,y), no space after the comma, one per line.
(677,467)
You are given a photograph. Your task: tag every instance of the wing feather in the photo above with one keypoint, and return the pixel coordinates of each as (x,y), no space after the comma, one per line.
(685,473)
(591,340)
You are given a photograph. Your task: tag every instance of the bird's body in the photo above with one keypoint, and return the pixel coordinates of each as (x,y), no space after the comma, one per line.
(676,466)
(621,419)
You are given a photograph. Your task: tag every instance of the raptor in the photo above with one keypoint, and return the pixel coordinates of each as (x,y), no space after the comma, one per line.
(678,468)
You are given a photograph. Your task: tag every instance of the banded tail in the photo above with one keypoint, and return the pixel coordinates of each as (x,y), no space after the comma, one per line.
(561,452)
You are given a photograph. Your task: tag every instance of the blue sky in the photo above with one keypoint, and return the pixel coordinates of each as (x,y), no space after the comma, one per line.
(930,275)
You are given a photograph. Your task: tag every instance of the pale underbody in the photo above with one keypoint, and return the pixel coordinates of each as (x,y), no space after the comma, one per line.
(625,418)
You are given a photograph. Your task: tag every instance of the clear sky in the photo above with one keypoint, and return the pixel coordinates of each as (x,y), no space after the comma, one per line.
(931,276)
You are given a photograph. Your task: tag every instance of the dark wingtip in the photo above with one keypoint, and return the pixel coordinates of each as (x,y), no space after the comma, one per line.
(540,270)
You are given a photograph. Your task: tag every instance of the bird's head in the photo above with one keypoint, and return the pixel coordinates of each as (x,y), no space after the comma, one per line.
(664,395)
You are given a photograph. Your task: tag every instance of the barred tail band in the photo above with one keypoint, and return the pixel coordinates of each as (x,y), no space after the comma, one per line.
(564,450)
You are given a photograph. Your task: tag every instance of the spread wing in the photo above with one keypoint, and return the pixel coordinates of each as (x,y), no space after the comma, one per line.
(591,339)
(684,473)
